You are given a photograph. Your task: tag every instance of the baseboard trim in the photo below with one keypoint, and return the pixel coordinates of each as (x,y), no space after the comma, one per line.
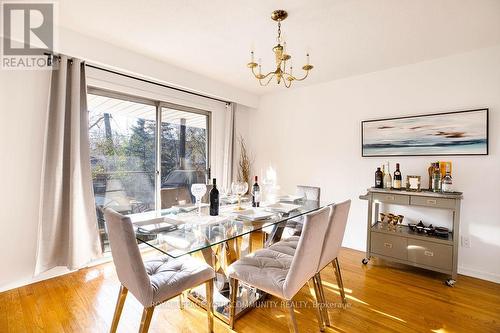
(488,276)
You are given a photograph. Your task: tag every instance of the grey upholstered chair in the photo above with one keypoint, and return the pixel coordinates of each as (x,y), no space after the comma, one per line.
(292,227)
(151,282)
(312,193)
(331,246)
(172,196)
(280,274)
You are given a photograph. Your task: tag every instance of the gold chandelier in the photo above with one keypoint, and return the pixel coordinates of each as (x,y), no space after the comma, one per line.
(281,57)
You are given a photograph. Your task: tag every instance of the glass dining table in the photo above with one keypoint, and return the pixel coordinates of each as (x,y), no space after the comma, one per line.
(219,240)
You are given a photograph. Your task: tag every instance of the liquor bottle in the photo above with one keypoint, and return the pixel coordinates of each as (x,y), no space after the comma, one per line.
(430,171)
(436,178)
(214,199)
(397,178)
(256,194)
(379,178)
(387,178)
(447,182)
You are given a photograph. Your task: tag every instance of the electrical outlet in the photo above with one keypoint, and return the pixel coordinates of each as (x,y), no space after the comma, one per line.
(466,241)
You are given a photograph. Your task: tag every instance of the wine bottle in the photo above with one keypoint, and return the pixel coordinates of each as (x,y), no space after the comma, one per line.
(387,178)
(447,182)
(256,194)
(379,178)
(397,178)
(436,178)
(214,199)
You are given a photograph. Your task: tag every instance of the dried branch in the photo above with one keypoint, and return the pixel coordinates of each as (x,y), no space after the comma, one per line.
(245,162)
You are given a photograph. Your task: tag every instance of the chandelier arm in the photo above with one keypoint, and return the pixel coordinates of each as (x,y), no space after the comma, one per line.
(302,78)
(253,72)
(289,83)
(270,78)
(257,77)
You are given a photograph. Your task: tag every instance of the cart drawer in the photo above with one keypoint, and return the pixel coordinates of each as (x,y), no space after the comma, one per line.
(433,202)
(392,198)
(387,245)
(430,254)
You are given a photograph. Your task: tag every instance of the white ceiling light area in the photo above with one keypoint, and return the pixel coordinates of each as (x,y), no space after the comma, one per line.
(344,37)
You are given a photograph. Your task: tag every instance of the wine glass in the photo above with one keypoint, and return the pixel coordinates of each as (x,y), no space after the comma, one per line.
(239,188)
(198,190)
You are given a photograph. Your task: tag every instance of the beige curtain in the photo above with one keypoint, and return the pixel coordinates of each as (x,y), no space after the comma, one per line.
(227,165)
(67,229)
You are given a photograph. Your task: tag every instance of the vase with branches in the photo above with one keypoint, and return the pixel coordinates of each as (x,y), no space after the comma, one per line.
(244,163)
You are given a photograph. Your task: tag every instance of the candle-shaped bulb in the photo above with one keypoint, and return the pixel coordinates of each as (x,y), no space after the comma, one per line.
(307,58)
(291,70)
(260,66)
(251,56)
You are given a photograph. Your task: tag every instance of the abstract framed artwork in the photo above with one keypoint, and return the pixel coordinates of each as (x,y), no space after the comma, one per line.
(438,134)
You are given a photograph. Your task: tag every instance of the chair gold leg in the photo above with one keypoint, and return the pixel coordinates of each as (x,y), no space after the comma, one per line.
(338,275)
(326,318)
(209,285)
(181,301)
(147,314)
(292,323)
(232,305)
(313,288)
(118,309)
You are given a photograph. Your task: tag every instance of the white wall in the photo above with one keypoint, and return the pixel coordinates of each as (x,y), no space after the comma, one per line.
(312,136)
(23,105)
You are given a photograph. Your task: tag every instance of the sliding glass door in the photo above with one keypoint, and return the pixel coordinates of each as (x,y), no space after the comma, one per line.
(137,166)
(184,154)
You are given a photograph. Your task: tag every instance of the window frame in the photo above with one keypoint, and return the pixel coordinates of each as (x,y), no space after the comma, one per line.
(159,104)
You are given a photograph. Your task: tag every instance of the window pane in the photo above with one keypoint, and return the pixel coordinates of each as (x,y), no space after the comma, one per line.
(184,154)
(122,154)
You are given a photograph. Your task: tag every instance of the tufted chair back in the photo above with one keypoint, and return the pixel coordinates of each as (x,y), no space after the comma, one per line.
(335,233)
(307,255)
(309,192)
(127,258)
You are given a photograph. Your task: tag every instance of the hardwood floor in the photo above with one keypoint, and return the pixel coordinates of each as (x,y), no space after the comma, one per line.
(382,297)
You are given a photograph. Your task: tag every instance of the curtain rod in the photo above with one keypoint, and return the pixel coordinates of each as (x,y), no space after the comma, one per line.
(156,83)
(52,55)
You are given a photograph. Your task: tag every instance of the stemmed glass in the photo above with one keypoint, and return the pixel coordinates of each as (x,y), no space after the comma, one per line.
(239,188)
(198,190)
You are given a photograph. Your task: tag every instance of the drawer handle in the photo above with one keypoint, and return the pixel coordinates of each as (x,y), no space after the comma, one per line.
(431,201)
(429,253)
(388,245)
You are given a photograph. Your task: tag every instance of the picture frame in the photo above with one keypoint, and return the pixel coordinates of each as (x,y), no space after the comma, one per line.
(413,183)
(437,134)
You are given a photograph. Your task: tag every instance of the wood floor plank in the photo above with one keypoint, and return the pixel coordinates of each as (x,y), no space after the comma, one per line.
(382,297)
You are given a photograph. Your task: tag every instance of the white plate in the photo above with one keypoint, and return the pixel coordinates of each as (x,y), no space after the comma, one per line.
(195,219)
(157,227)
(189,207)
(282,207)
(233,199)
(289,198)
(254,214)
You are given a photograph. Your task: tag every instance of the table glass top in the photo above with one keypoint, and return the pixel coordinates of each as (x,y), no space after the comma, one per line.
(182,230)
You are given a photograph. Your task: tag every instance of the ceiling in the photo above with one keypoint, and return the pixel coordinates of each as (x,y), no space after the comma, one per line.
(344,37)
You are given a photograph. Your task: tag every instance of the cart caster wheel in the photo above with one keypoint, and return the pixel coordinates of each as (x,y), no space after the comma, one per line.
(450,282)
(364,261)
